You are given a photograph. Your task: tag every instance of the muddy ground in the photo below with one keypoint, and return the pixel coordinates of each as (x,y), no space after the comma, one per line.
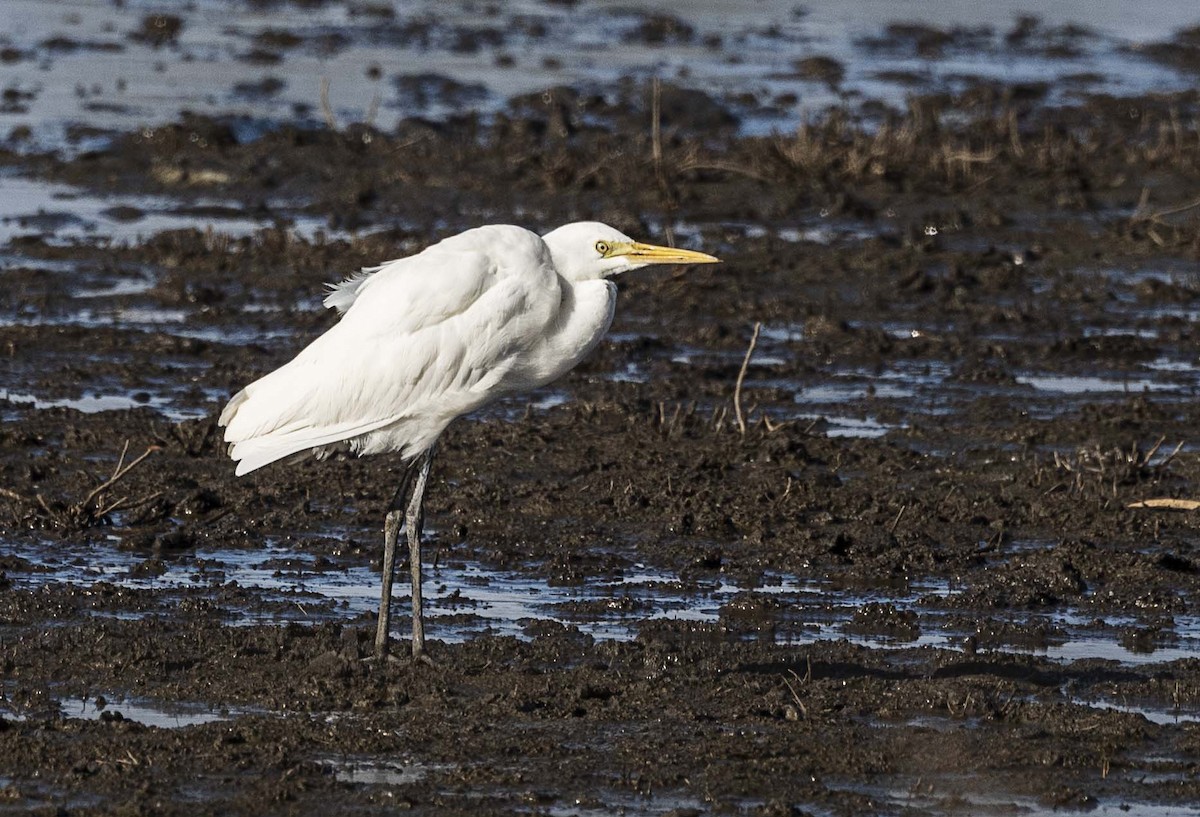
(910,580)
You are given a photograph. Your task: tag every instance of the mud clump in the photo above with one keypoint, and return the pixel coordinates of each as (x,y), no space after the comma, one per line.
(158,30)
(841,563)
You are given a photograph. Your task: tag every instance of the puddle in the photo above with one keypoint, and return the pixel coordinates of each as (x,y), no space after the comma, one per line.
(838,393)
(1082,647)
(1079,384)
(465,599)
(609,802)
(172,715)
(987,797)
(501,602)
(150,318)
(840,426)
(368,772)
(1162,716)
(93,403)
(65,214)
(596,803)
(1082,636)
(118,289)
(744,53)
(175,715)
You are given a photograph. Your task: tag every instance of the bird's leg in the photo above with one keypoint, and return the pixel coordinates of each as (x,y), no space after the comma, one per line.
(413,521)
(391,532)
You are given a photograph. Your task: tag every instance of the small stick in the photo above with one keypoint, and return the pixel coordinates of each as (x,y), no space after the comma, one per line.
(325,107)
(121,471)
(120,503)
(1170,504)
(796,695)
(1139,212)
(1170,211)
(1171,456)
(373,111)
(725,167)
(656,133)
(1150,454)
(121,459)
(737,388)
(656,153)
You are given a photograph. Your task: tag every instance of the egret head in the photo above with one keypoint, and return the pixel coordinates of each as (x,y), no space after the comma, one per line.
(589,250)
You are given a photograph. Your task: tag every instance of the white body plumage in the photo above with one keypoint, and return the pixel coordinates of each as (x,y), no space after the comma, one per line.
(428,338)
(425,339)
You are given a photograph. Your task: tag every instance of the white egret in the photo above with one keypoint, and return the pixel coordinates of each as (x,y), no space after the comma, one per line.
(428,338)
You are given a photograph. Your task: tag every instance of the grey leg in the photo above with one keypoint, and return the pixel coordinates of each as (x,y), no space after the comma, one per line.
(391,532)
(414,520)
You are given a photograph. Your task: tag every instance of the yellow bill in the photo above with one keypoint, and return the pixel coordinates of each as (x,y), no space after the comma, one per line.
(640,253)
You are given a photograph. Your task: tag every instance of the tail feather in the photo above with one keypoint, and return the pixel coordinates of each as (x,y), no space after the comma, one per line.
(231,408)
(254,444)
(253,454)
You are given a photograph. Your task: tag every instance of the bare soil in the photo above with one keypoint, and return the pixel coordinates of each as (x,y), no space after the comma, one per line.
(975,249)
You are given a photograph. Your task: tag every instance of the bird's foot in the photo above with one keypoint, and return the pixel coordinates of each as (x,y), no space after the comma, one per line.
(380,660)
(388,659)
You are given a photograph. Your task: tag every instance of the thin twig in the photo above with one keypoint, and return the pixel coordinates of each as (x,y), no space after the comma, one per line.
(121,459)
(796,697)
(723,167)
(1171,456)
(737,388)
(1157,215)
(1168,503)
(373,110)
(121,504)
(326,110)
(656,153)
(13,495)
(117,476)
(1153,450)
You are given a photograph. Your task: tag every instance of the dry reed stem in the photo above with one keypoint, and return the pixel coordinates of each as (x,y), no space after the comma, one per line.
(326,109)
(118,473)
(725,167)
(656,153)
(803,710)
(737,388)
(79,515)
(1167,504)
(1158,215)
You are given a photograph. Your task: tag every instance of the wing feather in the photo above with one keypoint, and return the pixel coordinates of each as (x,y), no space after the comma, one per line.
(434,340)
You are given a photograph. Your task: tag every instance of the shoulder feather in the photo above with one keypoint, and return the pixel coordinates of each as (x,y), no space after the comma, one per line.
(343,293)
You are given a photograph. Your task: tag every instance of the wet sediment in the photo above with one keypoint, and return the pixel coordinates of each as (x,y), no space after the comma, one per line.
(909,580)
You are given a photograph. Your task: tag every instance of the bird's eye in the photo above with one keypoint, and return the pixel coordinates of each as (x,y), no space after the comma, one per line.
(602,247)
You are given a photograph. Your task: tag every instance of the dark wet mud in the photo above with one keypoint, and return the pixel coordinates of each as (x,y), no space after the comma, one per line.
(878,557)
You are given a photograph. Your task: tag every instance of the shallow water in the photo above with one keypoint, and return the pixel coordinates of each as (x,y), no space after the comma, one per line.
(372,772)
(1155,714)
(465,598)
(894,650)
(938,795)
(80,62)
(177,715)
(64,214)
